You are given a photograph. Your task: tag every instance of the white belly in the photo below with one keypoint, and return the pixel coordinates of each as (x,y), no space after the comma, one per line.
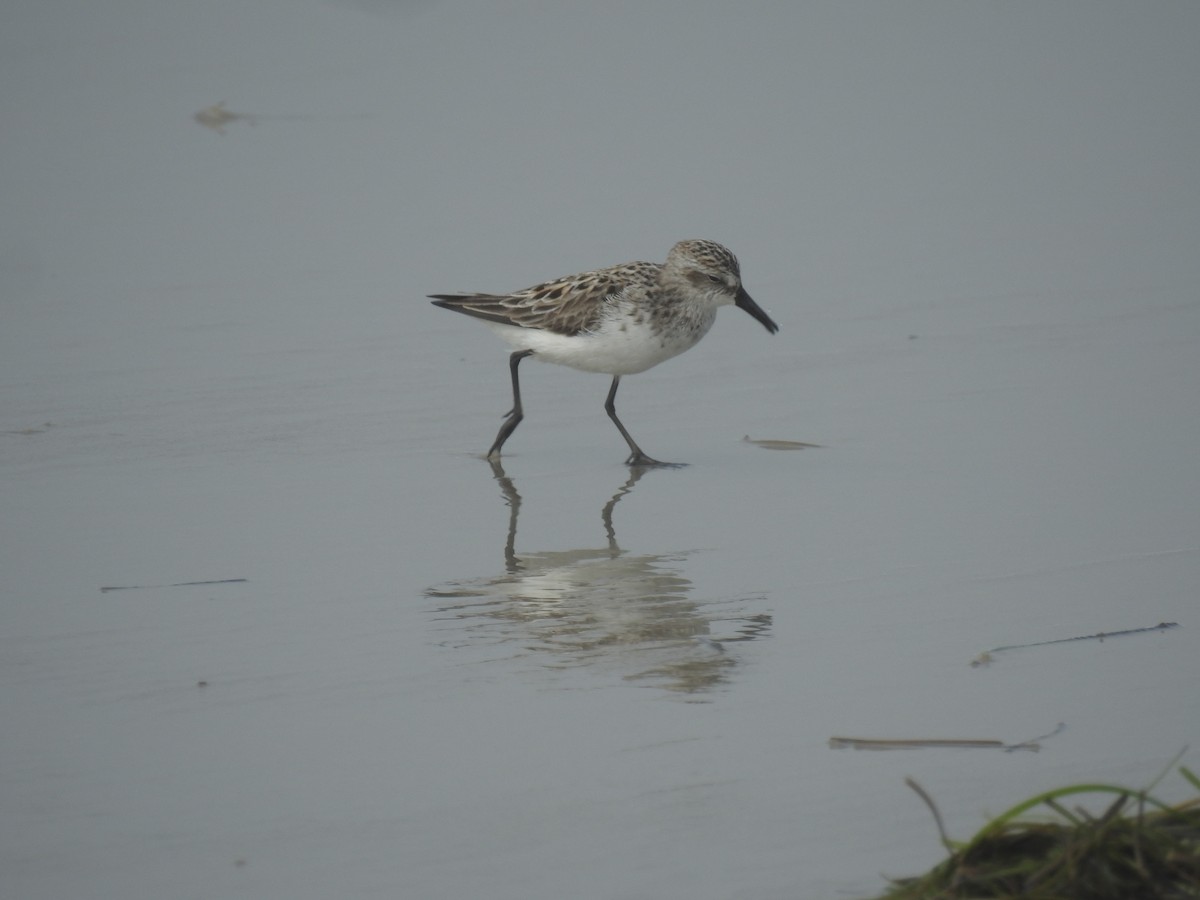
(612,351)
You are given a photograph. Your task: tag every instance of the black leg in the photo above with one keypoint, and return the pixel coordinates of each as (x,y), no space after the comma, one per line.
(514,416)
(636,456)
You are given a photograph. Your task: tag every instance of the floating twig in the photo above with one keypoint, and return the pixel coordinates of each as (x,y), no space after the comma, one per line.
(142,587)
(770,444)
(853,743)
(986,657)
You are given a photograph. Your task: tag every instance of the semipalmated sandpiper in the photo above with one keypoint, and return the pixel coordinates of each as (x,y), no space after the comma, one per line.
(618,321)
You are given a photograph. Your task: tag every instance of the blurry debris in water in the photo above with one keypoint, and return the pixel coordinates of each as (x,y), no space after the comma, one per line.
(851,743)
(986,657)
(217,117)
(142,587)
(36,430)
(769,444)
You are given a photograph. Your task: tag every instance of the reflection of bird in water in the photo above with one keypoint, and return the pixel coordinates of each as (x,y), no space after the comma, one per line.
(599,607)
(217,117)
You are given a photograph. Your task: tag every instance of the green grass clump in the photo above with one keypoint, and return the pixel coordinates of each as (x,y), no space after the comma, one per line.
(1139,849)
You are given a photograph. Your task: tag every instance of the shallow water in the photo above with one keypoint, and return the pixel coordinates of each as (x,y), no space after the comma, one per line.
(557,677)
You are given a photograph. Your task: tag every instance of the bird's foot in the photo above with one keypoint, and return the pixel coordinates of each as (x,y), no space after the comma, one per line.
(640,460)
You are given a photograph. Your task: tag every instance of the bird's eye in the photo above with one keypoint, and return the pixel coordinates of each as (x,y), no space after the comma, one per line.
(714,279)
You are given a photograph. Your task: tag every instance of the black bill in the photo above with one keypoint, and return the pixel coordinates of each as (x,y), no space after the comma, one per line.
(746,302)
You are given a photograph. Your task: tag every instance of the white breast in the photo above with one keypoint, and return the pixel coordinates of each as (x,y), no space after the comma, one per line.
(619,347)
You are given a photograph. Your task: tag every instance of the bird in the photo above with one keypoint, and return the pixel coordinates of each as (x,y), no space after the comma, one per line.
(617,321)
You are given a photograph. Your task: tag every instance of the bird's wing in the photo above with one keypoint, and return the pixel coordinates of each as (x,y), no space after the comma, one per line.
(571,305)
